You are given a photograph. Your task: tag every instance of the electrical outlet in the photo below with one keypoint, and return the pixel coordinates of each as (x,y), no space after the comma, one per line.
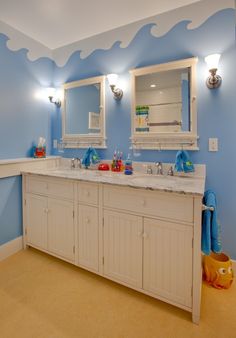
(213,144)
(55,144)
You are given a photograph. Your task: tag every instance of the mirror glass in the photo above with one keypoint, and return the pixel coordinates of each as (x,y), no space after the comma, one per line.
(82,106)
(83,114)
(164,114)
(163,101)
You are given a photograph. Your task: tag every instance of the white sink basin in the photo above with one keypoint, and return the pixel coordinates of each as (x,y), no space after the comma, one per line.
(153,179)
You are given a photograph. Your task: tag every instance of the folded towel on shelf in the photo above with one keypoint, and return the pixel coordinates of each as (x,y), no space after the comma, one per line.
(211,231)
(182,162)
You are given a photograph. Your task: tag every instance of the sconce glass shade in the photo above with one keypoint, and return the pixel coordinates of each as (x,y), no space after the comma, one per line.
(50,91)
(214,80)
(112,79)
(212,61)
(117,92)
(54,96)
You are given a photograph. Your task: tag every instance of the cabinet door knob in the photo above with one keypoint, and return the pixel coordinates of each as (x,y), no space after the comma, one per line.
(86,220)
(145,236)
(86,193)
(140,234)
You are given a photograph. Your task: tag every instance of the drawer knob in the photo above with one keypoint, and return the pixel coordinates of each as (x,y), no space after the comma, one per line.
(86,193)
(143,202)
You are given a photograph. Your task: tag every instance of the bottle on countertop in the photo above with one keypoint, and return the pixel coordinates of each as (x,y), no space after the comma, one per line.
(128,166)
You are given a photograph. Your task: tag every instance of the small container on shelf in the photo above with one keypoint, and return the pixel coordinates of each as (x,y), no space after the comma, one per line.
(40,149)
(40,152)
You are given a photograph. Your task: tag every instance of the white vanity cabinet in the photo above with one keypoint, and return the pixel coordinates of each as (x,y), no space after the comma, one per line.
(149,240)
(88,226)
(167,260)
(152,243)
(36,221)
(123,247)
(61,228)
(49,216)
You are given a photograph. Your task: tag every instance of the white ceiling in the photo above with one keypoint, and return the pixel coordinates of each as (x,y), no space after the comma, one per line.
(56,23)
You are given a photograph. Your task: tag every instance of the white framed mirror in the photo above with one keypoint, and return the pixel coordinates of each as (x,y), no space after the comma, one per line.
(164,114)
(83,113)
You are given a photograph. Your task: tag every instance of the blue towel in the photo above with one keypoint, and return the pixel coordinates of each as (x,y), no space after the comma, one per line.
(182,162)
(211,232)
(90,156)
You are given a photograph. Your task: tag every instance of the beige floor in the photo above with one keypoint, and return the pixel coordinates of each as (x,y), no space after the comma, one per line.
(43,297)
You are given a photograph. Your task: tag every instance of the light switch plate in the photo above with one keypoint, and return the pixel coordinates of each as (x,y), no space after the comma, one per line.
(213,144)
(55,144)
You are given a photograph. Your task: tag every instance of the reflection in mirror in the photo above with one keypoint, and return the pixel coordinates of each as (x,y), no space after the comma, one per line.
(83,116)
(164,106)
(163,101)
(84,113)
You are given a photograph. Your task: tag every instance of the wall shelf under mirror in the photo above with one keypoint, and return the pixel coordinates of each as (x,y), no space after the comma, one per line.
(164,114)
(83,113)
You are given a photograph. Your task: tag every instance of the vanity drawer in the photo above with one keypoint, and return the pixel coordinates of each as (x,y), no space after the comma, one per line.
(151,203)
(61,188)
(50,186)
(36,185)
(88,193)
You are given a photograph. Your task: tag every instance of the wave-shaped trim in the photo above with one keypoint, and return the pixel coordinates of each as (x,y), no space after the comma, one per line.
(17,40)
(196,14)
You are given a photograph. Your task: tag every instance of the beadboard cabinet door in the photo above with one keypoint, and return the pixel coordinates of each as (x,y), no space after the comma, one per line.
(123,247)
(168,260)
(88,237)
(61,228)
(36,224)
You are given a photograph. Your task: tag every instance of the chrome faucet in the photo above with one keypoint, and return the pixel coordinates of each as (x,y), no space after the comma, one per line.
(159,168)
(76,163)
(79,163)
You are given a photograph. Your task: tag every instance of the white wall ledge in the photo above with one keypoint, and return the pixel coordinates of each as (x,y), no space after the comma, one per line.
(13,167)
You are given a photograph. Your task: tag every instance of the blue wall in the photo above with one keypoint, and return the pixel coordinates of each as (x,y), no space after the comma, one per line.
(23,119)
(10,209)
(216,108)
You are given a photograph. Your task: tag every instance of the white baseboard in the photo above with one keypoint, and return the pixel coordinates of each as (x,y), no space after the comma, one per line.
(11,247)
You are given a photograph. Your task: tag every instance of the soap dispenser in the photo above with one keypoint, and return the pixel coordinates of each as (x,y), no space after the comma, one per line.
(128,166)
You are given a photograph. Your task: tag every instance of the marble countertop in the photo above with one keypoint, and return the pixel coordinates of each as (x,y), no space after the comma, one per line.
(27,159)
(191,184)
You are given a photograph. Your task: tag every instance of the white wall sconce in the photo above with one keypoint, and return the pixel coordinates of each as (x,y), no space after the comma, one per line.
(54,96)
(112,79)
(214,80)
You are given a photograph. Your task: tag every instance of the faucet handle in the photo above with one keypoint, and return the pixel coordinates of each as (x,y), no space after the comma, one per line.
(72,162)
(170,172)
(149,169)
